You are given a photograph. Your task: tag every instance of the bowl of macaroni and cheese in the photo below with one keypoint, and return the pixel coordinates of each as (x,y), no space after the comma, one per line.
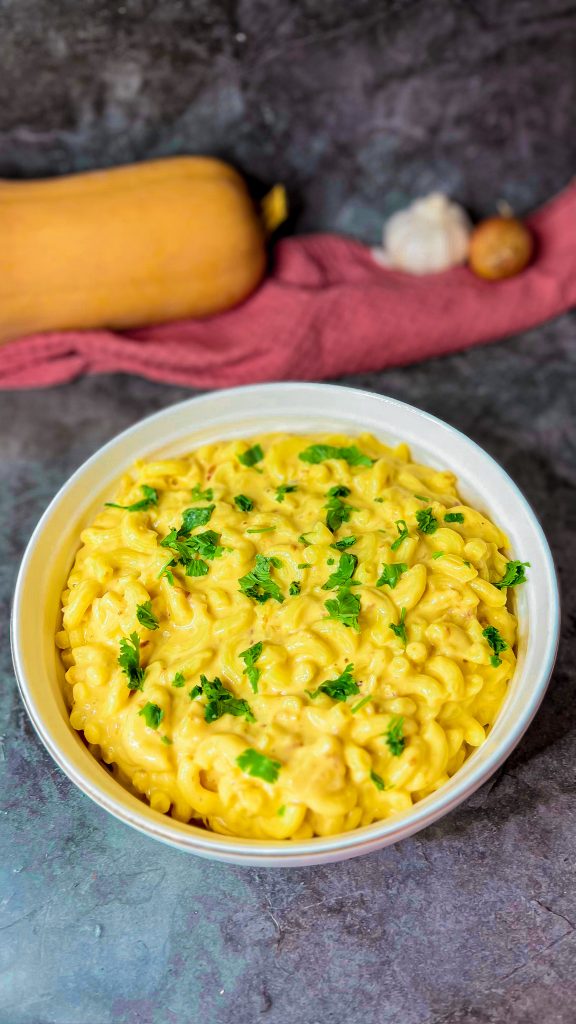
(285,624)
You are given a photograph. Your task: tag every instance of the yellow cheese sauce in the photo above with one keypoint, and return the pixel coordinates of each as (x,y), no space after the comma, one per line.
(289,636)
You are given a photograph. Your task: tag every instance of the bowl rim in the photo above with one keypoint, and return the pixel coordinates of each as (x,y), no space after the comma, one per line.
(283,853)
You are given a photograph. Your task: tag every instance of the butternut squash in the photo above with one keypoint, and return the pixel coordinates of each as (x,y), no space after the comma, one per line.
(126,247)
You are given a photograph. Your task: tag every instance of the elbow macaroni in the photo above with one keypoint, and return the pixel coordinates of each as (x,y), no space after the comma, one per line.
(339,769)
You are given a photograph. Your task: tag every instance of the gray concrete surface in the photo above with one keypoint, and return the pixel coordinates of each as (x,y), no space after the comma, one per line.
(357,105)
(470,922)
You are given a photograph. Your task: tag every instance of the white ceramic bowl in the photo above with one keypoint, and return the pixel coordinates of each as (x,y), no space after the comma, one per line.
(242,412)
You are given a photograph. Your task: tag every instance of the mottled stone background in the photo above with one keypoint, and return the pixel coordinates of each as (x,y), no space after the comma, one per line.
(357,106)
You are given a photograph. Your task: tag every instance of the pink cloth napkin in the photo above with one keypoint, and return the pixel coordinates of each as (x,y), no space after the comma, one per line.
(327,309)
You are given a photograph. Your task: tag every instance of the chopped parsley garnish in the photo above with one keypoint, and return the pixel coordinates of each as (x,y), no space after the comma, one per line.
(258,765)
(330,561)
(281,811)
(361,704)
(514,575)
(454,517)
(339,491)
(257,583)
(421,497)
(378,781)
(193,517)
(304,565)
(391,574)
(250,657)
(197,567)
(303,540)
(400,629)
(150,498)
(344,608)
(341,688)
(284,489)
(320,452)
(152,715)
(427,522)
(166,571)
(251,456)
(437,554)
(343,574)
(294,588)
(496,642)
(146,616)
(129,661)
(346,542)
(166,740)
(220,701)
(199,495)
(191,550)
(402,528)
(243,503)
(178,680)
(394,736)
(337,511)
(261,529)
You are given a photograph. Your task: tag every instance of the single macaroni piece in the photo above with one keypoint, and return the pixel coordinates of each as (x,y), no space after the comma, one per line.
(287,637)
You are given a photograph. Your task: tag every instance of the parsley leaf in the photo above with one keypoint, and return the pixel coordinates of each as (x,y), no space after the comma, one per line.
(513,576)
(129,661)
(166,571)
(250,657)
(343,574)
(152,715)
(346,542)
(496,642)
(166,740)
(437,554)
(391,574)
(178,680)
(338,492)
(205,545)
(193,517)
(454,517)
(344,608)
(294,588)
(427,522)
(150,498)
(341,688)
(197,567)
(220,701)
(198,495)
(400,629)
(243,503)
(146,616)
(302,539)
(262,529)
(257,583)
(284,489)
(421,497)
(361,704)
(337,513)
(258,765)
(400,525)
(394,736)
(251,456)
(320,452)
(378,781)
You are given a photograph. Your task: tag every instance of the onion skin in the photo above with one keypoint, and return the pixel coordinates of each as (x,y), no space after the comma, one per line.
(500,247)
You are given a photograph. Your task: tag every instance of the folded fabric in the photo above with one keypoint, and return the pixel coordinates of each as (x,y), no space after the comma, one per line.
(327,309)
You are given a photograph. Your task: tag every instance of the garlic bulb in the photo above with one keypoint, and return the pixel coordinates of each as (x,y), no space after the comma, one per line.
(432,234)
